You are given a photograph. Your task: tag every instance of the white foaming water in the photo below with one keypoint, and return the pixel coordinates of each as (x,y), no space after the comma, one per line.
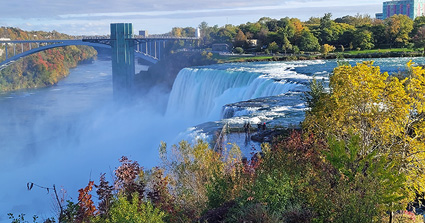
(201,93)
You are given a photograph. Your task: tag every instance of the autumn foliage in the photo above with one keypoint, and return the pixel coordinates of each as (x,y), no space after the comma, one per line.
(86,205)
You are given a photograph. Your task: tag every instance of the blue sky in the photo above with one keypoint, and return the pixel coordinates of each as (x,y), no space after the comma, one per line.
(92,17)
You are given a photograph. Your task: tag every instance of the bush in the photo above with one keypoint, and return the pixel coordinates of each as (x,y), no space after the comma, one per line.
(254,213)
(238,50)
(134,211)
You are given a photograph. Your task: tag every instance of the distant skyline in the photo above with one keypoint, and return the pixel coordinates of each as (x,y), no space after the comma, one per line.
(92,17)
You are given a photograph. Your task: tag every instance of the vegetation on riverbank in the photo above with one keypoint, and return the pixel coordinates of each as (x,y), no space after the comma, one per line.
(42,69)
(349,54)
(324,35)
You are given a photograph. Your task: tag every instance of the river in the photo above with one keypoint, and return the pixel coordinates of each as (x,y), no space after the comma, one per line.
(72,132)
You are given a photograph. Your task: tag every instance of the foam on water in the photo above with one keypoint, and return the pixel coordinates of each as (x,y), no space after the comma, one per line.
(201,93)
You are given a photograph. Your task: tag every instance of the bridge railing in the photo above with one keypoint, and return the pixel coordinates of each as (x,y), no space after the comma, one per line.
(150,48)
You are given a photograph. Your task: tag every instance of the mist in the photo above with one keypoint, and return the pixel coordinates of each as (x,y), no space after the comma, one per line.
(71,133)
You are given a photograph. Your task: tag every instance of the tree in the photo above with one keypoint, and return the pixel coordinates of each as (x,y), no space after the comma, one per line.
(363,39)
(379,34)
(240,39)
(225,34)
(325,29)
(331,32)
(313,21)
(417,24)
(385,112)
(356,21)
(296,49)
(271,24)
(86,206)
(285,27)
(273,47)
(206,31)
(308,41)
(262,35)
(176,31)
(253,27)
(326,48)
(298,28)
(419,38)
(398,28)
(286,44)
(239,50)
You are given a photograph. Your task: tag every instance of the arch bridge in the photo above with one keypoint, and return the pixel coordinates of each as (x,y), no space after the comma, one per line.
(125,48)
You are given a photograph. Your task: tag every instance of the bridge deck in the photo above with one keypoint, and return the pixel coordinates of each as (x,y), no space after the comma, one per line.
(92,41)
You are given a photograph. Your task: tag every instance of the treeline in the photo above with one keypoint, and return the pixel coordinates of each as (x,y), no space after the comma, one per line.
(317,34)
(359,157)
(42,69)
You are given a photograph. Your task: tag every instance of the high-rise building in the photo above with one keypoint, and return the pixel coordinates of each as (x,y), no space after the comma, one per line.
(143,33)
(411,8)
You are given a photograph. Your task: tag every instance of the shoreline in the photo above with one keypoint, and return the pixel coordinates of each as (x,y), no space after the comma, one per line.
(259,58)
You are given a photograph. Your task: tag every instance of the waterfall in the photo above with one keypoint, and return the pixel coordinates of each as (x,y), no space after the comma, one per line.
(200,93)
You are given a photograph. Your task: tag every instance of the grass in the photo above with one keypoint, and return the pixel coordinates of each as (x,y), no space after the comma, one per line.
(356,52)
(241,58)
(348,54)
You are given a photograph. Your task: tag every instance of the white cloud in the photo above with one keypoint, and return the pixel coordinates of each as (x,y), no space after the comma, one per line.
(160,16)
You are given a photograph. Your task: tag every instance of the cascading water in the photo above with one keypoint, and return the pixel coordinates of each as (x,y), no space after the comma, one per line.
(201,93)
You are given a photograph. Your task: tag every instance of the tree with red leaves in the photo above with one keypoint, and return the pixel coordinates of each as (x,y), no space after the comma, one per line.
(87,208)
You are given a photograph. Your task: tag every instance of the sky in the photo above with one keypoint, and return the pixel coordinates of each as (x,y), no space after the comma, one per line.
(92,17)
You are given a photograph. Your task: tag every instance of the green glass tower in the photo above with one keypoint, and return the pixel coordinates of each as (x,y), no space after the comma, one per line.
(122,59)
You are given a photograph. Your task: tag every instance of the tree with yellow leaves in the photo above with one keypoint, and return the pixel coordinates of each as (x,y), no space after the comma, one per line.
(385,112)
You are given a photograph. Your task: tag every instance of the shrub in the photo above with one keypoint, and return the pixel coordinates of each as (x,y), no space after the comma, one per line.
(134,211)
(238,50)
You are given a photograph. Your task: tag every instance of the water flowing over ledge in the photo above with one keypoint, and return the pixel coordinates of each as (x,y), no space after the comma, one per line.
(234,94)
(201,93)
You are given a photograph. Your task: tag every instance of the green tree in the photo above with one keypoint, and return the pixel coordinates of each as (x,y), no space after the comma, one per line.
(325,29)
(286,44)
(313,21)
(363,39)
(357,21)
(206,38)
(273,47)
(308,41)
(272,24)
(286,27)
(379,34)
(225,34)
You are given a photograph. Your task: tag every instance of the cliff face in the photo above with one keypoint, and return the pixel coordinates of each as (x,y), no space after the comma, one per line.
(165,71)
